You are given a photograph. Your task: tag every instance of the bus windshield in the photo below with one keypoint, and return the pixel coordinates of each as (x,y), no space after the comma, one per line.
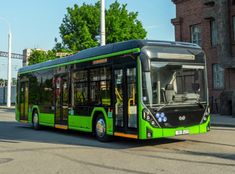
(174,83)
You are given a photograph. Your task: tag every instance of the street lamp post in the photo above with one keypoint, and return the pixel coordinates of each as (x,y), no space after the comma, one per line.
(9,72)
(9,64)
(102,23)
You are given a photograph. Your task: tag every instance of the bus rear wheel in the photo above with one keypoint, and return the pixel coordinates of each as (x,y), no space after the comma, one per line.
(100,129)
(35,119)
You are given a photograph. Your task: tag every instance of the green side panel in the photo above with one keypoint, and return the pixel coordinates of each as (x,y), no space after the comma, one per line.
(142,123)
(47,124)
(110,126)
(203,127)
(17,113)
(82,123)
(47,119)
(30,113)
(109,120)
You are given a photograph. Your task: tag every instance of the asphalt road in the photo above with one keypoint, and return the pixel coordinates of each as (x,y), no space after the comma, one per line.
(49,151)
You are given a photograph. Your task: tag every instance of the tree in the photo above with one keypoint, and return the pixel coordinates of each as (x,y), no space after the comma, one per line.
(123,25)
(13,81)
(3,82)
(81,25)
(38,56)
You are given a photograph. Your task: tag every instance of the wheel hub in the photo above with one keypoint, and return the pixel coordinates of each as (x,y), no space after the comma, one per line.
(35,119)
(100,128)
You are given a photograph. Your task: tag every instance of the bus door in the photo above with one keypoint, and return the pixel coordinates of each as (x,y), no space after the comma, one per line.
(61,101)
(24,100)
(125,100)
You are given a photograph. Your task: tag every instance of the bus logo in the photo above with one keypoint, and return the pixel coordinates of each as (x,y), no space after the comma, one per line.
(182,117)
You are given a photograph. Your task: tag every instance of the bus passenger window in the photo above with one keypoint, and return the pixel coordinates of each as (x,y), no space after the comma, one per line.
(132,100)
(119,98)
(100,86)
(80,88)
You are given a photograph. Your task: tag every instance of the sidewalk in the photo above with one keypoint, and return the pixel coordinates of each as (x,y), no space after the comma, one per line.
(222,120)
(5,107)
(12,108)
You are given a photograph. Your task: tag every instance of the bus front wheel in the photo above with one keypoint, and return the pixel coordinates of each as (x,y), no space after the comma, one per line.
(100,129)
(36,120)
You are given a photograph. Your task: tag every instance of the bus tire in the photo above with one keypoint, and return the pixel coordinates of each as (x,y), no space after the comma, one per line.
(100,129)
(35,120)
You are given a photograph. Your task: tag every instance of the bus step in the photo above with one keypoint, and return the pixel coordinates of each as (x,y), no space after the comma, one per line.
(120,134)
(59,126)
(24,121)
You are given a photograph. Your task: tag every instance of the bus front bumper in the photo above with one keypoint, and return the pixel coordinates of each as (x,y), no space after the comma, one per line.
(152,133)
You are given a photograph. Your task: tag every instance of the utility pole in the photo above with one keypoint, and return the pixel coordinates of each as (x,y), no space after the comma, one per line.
(9,63)
(102,23)
(9,71)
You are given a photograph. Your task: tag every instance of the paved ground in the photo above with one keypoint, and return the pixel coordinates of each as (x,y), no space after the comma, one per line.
(24,150)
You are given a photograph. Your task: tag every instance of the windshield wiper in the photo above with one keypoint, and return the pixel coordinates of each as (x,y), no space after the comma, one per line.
(161,107)
(195,54)
(200,104)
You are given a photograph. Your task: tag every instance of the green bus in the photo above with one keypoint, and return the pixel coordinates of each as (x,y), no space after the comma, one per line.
(140,89)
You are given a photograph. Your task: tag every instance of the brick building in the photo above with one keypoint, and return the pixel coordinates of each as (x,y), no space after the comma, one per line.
(211,24)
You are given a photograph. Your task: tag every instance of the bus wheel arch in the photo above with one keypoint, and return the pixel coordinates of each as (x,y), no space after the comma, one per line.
(99,123)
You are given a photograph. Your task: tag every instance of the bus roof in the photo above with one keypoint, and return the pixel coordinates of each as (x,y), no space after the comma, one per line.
(108,49)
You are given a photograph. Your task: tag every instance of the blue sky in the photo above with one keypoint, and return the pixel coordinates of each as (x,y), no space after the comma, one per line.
(35,23)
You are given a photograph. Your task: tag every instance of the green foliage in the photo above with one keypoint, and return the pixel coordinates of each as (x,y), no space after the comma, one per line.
(3,82)
(38,56)
(13,81)
(122,25)
(81,25)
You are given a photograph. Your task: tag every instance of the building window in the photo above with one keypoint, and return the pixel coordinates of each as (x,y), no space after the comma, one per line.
(233,2)
(213,33)
(196,34)
(218,76)
(233,28)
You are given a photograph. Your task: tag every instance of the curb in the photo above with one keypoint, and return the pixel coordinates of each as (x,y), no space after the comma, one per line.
(5,107)
(222,125)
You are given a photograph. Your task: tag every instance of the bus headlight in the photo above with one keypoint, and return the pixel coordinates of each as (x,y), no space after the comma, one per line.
(153,123)
(149,117)
(165,119)
(161,117)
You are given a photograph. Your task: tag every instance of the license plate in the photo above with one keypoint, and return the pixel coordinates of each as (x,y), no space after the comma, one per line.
(181,132)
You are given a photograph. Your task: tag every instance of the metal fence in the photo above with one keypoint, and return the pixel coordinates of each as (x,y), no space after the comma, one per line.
(3,95)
